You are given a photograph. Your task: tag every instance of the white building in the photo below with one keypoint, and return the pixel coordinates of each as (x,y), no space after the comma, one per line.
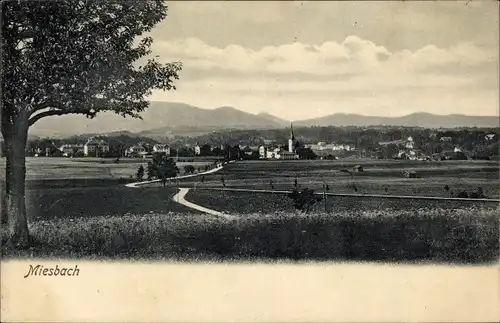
(136,150)
(262,152)
(94,147)
(320,146)
(69,149)
(197,149)
(162,148)
(279,153)
(489,136)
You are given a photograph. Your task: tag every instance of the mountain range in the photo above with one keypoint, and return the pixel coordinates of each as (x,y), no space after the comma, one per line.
(420,119)
(174,118)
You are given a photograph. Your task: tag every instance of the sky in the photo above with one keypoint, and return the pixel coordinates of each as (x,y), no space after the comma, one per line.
(300,60)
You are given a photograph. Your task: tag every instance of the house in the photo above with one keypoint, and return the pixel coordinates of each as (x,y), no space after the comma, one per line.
(331,147)
(445,139)
(276,153)
(70,149)
(136,150)
(197,150)
(279,153)
(489,136)
(94,147)
(247,150)
(162,148)
(262,152)
(272,153)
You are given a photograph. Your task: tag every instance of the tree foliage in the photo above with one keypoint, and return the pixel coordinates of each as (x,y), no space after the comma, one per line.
(79,57)
(72,57)
(189,169)
(162,167)
(140,173)
(304,200)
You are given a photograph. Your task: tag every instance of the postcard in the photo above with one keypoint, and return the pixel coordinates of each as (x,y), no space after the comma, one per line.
(250,161)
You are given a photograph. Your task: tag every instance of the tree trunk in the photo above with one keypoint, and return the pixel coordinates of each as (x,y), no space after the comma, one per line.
(15,185)
(5,188)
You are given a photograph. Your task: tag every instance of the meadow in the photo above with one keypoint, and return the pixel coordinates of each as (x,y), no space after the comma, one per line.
(432,236)
(265,203)
(90,187)
(52,168)
(378,177)
(83,210)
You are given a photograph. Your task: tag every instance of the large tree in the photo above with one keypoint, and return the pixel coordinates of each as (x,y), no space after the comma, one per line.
(63,57)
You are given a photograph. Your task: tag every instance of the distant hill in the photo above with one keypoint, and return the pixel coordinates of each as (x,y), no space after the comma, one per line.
(421,119)
(163,119)
(159,118)
(274,119)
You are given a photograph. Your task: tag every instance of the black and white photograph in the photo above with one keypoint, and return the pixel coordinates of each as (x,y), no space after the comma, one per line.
(257,132)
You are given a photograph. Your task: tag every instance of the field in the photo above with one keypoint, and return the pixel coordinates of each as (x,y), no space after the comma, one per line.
(378,177)
(42,168)
(249,203)
(82,209)
(89,187)
(401,236)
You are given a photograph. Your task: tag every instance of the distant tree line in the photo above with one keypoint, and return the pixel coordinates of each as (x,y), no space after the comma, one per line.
(226,143)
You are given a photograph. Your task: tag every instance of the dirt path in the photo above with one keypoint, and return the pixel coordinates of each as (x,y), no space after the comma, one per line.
(137,184)
(180,198)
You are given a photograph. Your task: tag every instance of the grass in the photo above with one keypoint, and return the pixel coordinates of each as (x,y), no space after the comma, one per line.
(251,202)
(43,168)
(86,198)
(447,236)
(379,177)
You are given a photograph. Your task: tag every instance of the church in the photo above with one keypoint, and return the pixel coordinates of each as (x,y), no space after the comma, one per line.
(279,153)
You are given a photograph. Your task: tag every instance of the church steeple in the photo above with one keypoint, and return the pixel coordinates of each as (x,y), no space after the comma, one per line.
(291,140)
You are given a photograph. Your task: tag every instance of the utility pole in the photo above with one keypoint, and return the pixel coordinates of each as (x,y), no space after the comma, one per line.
(325,188)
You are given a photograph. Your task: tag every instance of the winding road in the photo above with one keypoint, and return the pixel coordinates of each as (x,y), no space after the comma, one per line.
(180,196)
(137,184)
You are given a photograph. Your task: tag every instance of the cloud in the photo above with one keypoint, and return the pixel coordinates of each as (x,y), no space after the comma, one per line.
(353,55)
(356,74)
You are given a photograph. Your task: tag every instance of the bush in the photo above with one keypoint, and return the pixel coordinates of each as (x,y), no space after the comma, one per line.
(478,194)
(140,173)
(189,169)
(304,201)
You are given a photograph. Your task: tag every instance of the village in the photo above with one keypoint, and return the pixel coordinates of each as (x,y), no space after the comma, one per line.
(434,148)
